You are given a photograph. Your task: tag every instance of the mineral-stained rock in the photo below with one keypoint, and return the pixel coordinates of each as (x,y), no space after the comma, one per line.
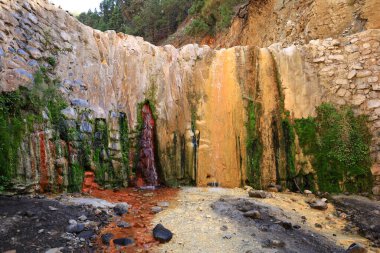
(199,96)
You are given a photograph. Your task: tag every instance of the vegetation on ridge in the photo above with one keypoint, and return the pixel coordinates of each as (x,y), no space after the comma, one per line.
(155,20)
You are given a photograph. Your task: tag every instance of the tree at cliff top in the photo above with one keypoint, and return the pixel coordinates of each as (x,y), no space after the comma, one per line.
(152,19)
(155,20)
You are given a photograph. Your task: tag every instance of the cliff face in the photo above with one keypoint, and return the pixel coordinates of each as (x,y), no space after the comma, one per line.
(199,97)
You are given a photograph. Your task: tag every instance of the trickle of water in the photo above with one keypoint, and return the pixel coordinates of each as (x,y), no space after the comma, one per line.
(147,172)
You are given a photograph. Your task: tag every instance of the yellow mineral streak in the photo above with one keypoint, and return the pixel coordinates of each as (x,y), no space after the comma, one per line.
(268,97)
(222,151)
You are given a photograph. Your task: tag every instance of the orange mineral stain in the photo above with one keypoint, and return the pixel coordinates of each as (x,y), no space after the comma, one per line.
(139,217)
(44,181)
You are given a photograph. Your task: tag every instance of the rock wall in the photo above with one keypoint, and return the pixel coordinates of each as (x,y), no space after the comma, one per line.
(199,96)
(196,94)
(265,22)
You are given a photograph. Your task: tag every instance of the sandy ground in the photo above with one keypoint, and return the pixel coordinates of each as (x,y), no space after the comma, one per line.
(199,219)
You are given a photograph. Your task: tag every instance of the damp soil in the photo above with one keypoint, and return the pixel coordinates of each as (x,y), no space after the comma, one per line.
(31,224)
(140,217)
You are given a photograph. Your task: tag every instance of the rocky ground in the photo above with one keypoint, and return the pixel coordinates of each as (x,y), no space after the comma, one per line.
(201,219)
(212,220)
(36,224)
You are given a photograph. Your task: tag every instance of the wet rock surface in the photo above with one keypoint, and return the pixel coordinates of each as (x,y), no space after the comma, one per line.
(362,213)
(35,224)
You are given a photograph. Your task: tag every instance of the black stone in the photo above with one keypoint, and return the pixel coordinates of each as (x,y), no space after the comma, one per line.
(121,209)
(286,225)
(86,234)
(162,234)
(123,241)
(106,238)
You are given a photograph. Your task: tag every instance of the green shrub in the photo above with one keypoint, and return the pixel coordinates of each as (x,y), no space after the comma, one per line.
(197,27)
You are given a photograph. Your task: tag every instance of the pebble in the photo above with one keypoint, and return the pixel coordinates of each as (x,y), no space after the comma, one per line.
(123,224)
(75,228)
(224,228)
(121,209)
(51,208)
(273,244)
(259,194)
(227,236)
(253,214)
(156,209)
(319,205)
(123,241)
(308,192)
(82,218)
(163,204)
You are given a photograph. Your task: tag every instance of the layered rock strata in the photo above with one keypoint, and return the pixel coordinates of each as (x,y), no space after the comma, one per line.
(199,97)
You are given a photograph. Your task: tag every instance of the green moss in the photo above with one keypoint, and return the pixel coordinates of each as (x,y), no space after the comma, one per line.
(104,171)
(254,146)
(124,141)
(76,175)
(51,60)
(290,152)
(339,141)
(20,112)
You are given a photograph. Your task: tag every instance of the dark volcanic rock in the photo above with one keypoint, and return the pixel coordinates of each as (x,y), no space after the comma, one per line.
(286,225)
(356,248)
(106,238)
(162,234)
(123,241)
(86,234)
(121,209)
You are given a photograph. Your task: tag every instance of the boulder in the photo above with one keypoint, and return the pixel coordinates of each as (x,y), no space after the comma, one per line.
(259,194)
(162,234)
